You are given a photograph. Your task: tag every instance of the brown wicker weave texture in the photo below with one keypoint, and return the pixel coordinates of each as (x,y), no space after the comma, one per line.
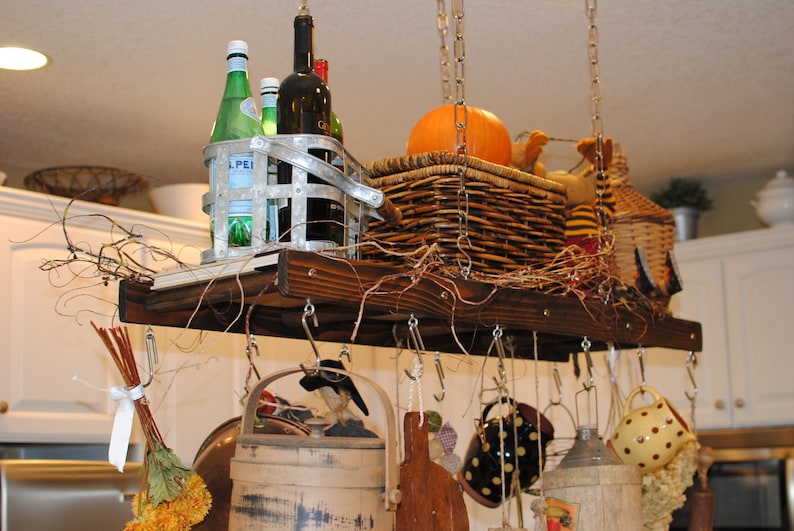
(515,219)
(638,222)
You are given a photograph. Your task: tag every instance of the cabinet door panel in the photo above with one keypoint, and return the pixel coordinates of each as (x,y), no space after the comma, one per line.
(759,289)
(701,300)
(48,339)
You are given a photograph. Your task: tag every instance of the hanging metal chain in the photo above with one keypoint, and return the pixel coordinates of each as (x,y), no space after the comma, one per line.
(461,122)
(442,24)
(596,123)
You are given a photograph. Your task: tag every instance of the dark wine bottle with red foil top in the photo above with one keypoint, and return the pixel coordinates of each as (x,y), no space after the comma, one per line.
(304,106)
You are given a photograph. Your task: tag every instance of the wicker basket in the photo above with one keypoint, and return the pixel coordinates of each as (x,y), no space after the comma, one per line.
(639,223)
(515,219)
(89,183)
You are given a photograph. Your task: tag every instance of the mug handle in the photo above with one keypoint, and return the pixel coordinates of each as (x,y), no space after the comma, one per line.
(635,392)
(487,408)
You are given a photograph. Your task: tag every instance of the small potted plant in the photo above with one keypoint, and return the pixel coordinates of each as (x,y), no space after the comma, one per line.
(686,198)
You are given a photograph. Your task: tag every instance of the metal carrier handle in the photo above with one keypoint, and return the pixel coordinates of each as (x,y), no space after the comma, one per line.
(392,495)
(282,148)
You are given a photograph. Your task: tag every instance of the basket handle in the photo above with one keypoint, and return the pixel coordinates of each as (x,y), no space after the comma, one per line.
(392,495)
(279,148)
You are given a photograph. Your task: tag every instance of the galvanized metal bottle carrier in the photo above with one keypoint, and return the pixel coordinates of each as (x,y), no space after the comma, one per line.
(347,185)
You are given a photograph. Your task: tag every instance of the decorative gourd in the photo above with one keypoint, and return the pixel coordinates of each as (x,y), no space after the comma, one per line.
(487,137)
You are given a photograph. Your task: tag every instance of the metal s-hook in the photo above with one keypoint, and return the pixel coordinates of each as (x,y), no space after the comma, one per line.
(691,363)
(555,373)
(440,372)
(418,345)
(641,357)
(586,344)
(308,311)
(497,334)
(151,353)
(344,352)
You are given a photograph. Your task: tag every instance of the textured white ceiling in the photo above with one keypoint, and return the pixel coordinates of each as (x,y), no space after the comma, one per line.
(689,88)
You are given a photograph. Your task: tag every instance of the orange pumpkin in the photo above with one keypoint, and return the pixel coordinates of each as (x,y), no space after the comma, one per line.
(486,136)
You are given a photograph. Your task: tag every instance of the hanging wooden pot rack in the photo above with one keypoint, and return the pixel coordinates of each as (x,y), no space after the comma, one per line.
(360,302)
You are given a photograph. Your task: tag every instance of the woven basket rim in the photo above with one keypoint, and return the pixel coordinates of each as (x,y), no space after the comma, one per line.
(448,163)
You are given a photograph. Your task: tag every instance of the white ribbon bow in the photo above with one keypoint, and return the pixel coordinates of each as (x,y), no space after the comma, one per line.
(122,423)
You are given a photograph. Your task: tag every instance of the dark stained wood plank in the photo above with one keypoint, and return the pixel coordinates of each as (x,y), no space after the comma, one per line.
(304,274)
(375,303)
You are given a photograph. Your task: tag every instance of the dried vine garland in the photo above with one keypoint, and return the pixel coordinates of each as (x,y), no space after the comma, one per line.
(116,259)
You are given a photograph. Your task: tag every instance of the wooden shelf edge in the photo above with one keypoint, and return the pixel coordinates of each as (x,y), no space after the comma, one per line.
(376,301)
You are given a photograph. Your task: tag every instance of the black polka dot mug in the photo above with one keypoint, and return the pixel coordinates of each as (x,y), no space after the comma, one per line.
(482,475)
(649,436)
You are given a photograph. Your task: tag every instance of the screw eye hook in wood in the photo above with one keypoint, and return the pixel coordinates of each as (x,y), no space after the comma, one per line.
(415,338)
(586,344)
(151,354)
(691,363)
(308,311)
(440,371)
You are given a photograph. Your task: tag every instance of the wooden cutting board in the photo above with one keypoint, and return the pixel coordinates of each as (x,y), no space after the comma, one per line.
(432,500)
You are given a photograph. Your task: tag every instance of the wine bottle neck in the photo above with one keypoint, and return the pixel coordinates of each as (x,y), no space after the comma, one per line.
(304,53)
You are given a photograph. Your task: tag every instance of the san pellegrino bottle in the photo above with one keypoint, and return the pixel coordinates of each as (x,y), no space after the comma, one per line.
(304,106)
(238,119)
(269,93)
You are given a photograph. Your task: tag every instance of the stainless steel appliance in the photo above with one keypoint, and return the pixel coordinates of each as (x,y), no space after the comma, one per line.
(752,480)
(65,495)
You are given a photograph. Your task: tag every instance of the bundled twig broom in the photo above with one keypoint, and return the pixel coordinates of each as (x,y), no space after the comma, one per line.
(173,496)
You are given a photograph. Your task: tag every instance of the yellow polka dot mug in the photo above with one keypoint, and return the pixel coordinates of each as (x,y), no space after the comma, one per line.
(650,436)
(483,476)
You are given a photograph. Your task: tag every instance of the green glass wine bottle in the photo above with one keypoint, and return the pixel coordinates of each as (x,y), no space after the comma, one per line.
(269,92)
(238,119)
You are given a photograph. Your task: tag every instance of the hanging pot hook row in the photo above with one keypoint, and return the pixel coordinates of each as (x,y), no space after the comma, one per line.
(586,344)
(440,372)
(419,347)
(308,311)
(691,363)
(151,354)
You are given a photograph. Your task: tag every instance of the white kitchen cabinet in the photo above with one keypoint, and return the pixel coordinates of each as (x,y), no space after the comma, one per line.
(740,287)
(46,336)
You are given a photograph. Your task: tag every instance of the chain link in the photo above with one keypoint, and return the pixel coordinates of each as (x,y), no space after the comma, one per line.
(596,123)
(592,55)
(442,24)
(461,122)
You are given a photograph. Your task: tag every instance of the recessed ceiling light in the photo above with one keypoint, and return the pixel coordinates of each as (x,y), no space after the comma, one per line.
(13,58)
